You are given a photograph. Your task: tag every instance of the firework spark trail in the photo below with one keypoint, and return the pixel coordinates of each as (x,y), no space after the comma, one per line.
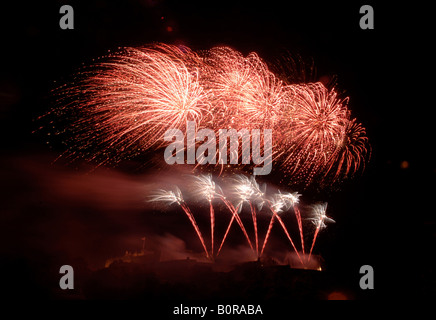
(212,227)
(287,200)
(225,234)
(291,200)
(315,235)
(235,216)
(284,229)
(300,226)
(176,197)
(278,202)
(253,215)
(271,223)
(248,190)
(207,188)
(289,237)
(194,224)
(318,219)
(244,189)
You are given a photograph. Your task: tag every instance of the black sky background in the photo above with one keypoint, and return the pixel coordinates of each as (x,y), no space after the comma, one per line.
(384,218)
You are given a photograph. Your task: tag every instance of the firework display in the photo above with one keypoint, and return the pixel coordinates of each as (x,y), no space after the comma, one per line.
(122,106)
(213,155)
(133,101)
(247,190)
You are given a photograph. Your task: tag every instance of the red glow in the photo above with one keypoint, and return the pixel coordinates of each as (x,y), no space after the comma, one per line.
(124,105)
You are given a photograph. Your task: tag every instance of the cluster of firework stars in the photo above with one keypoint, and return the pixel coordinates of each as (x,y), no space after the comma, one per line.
(247,191)
(122,106)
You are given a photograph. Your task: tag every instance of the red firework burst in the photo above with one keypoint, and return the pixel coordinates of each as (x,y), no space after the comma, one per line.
(126,103)
(123,105)
(311,130)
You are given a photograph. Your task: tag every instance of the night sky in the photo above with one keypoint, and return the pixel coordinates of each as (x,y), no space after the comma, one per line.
(54,214)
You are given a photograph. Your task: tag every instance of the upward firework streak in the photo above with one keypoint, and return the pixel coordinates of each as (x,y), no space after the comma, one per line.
(171,197)
(246,190)
(279,203)
(318,219)
(122,106)
(291,199)
(209,190)
(276,205)
(300,226)
(284,229)
(235,216)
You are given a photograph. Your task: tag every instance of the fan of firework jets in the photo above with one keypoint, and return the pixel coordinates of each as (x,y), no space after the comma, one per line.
(122,105)
(246,191)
